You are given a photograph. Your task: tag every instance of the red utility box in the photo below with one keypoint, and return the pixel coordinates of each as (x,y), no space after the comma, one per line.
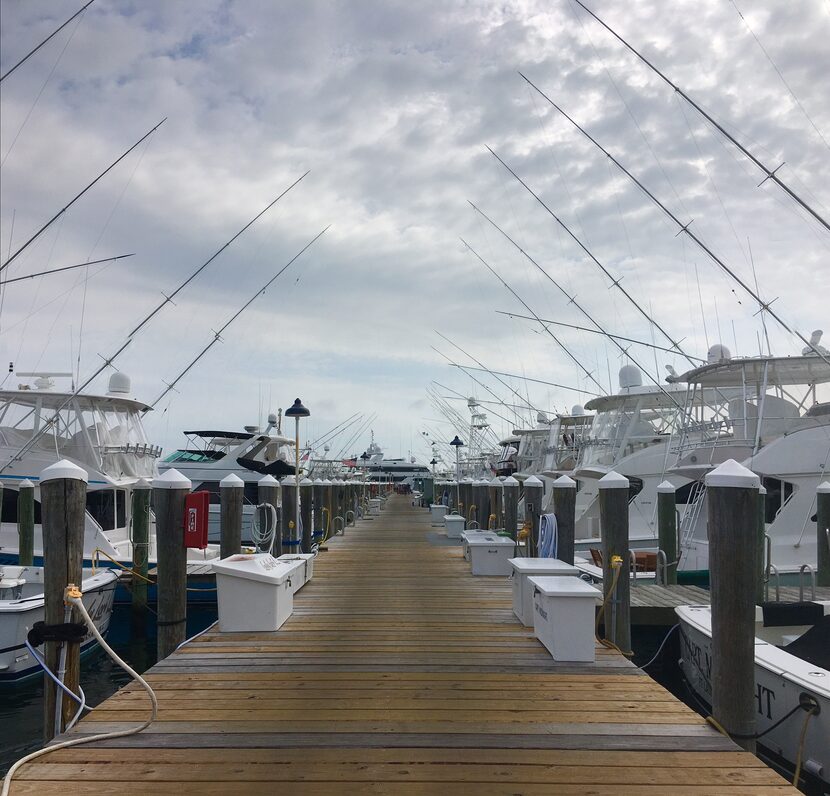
(196,509)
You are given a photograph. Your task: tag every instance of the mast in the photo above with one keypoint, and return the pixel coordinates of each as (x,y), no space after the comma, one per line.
(217,336)
(769,174)
(527,307)
(764,306)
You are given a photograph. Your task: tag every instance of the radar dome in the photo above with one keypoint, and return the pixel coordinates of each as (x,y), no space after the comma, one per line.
(578,410)
(119,384)
(718,353)
(630,376)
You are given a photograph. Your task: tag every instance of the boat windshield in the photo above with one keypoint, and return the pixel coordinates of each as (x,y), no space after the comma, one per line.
(99,433)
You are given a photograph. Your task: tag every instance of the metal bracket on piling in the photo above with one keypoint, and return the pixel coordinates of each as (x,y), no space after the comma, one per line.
(342,525)
(352,521)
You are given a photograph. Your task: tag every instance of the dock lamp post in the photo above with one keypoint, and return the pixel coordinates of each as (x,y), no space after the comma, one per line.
(457,444)
(297,410)
(433,463)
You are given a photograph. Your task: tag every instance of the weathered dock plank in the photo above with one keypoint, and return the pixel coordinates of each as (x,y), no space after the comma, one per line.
(399,673)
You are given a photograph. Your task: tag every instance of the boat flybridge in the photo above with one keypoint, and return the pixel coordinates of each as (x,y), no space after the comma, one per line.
(103,434)
(772,414)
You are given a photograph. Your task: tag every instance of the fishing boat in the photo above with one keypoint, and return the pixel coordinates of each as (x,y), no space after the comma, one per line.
(377,469)
(792,665)
(22,604)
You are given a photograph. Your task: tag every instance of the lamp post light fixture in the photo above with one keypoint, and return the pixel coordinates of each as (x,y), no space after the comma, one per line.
(433,463)
(457,444)
(297,410)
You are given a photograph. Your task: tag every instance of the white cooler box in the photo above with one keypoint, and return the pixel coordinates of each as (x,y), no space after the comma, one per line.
(564,616)
(254,592)
(454,525)
(491,554)
(436,513)
(374,507)
(466,536)
(523,568)
(303,571)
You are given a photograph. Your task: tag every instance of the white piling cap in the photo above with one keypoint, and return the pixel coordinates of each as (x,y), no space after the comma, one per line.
(231,481)
(482,482)
(26,484)
(762,490)
(564,482)
(496,481)
(268,480)
(288,480)
(510,481)
(171,479)
(326,482)
(533,481)
(823,488)
(613,480)
(306,482)
(142,483)
(318,482)
(64,469)
(666,488)
(734,474)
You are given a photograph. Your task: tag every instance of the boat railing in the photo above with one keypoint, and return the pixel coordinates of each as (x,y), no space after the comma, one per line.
(135,448)
(772,570)
(801,570)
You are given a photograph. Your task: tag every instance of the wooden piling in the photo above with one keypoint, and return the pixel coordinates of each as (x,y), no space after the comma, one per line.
(429,490)
(63,506)
(482,501)
(613,513)
(823,534)
(564,509)
(231,494)
(511,505)
(306,520)
(496,512)
(732,494)
(169,492)
(317,513)
(268,494)
(534,491)
(290,534)
(667,529)
(141,550)
(25,522)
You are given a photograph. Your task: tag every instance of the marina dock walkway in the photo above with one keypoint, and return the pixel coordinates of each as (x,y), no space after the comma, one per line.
(398,673)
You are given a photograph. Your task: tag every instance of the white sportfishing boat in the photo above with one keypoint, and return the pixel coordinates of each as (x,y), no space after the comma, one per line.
(102,434)
(22,604)
(378,469)
(792,665)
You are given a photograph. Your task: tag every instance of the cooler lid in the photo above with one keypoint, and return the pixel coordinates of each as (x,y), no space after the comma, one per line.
(490,540)
(262,567)
(564,586)
(543,566)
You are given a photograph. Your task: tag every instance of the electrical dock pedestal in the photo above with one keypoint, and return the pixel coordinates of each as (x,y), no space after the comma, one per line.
(398,672)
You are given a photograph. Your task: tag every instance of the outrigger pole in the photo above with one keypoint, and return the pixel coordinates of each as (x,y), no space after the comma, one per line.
(217,335)
(769,174)
(79,195)
(764,306)
(527,307)
(107,361)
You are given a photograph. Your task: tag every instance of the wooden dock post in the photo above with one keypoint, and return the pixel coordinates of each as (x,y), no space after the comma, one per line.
(482,501)
(141,551)
(428,493)
(25,522)
(231,494)
(306,519)
(823,533)
(534,491)
(317,513)
(290,534)
(613,514)
(494,493)
(169,492)
(761,545)
(63,504)
(667,530)
(328,503)
(732,492)
(564,509)
(465,497)
(268,492)
(511,505)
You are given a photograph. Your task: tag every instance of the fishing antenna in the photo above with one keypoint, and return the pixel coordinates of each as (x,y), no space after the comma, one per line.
(572,300)
(536,381)
(217,335)
(65,268)
(594,331)
(763,306)
(78,196)
(527,307)
(769,174)
(107,361)
(50,36)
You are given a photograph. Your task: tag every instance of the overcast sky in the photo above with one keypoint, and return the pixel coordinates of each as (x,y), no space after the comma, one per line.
(390,105)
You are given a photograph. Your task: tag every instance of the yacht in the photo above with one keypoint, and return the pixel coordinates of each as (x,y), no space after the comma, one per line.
(397,471)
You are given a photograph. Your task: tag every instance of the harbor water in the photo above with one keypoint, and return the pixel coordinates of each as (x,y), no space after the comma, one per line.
(21,706)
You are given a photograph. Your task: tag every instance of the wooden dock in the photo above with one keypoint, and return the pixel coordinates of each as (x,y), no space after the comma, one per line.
(398,673)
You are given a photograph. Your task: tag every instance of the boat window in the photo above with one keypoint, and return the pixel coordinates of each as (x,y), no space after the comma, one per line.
(194,456)
(9,512)
(251,493)
(102,506)
(778,493)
